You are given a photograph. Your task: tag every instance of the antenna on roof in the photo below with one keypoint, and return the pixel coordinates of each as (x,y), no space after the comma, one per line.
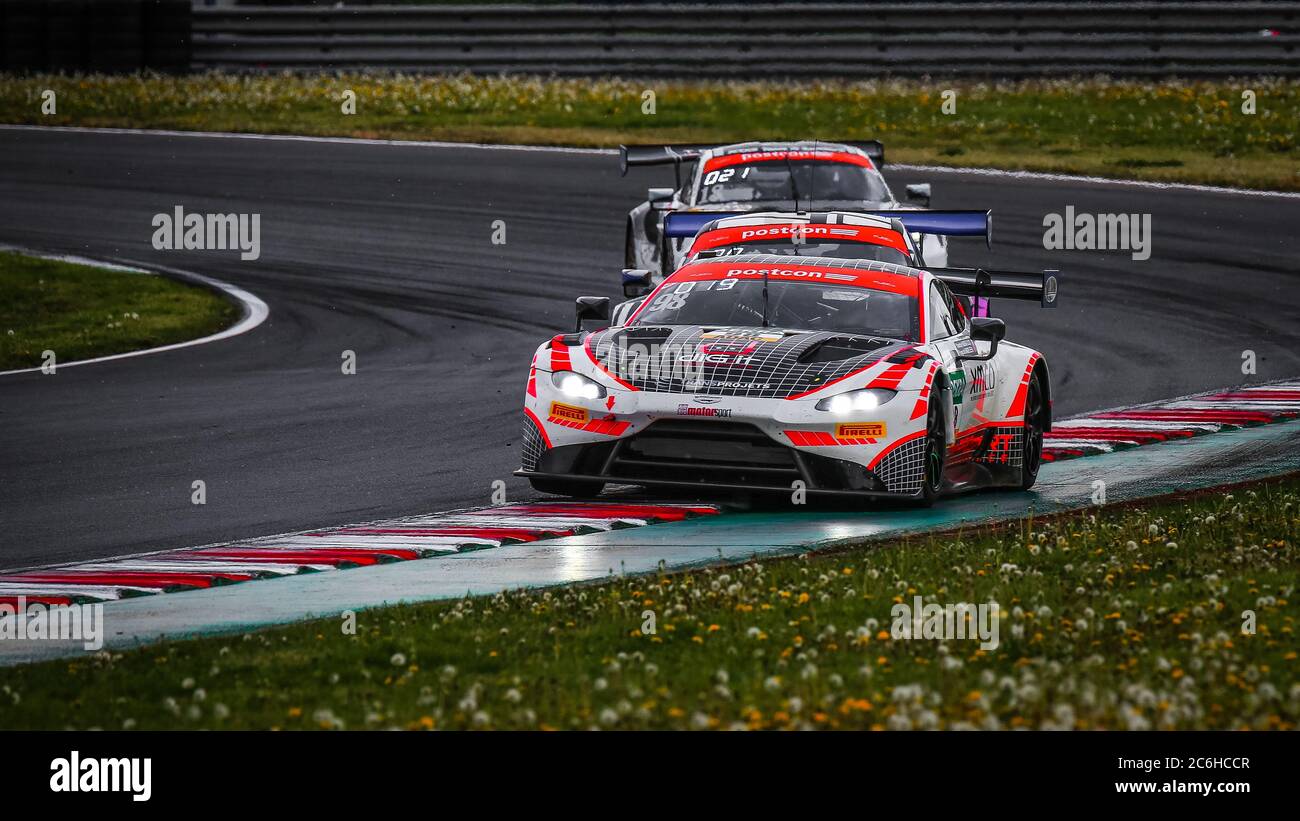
(812,182)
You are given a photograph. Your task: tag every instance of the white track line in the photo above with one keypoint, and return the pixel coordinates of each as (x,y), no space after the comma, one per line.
(944,169)
(301,138)
(254,311)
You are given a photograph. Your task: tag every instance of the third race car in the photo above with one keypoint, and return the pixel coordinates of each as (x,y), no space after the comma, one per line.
(759,176)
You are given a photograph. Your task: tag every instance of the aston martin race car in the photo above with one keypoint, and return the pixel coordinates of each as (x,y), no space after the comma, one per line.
(763,372)
(759,176)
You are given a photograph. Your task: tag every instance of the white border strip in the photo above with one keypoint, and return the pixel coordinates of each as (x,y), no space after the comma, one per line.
(943,169)
(300,138)
(254,310)
(1272,384)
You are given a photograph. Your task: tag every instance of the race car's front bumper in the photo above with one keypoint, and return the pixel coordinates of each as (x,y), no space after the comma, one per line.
(691,453)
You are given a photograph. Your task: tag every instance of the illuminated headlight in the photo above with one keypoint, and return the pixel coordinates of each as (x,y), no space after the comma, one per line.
(854,401)
(577,385)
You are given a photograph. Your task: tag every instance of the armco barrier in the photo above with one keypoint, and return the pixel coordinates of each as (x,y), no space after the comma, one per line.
(822,39)
(1007,39)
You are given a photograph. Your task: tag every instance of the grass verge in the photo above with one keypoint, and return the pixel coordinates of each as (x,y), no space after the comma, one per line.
(1120,617)
(80,311)
(1190,131)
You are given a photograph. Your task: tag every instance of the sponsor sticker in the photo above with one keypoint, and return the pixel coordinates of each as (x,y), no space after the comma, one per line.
(687,410)
(568,412)
(724,383)
(860,430)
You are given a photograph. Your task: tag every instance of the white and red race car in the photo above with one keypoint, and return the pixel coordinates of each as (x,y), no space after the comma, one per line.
(765,372)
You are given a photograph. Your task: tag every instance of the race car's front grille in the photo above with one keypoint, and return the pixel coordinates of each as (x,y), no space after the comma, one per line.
(903,469)
(531,445)
(708,452)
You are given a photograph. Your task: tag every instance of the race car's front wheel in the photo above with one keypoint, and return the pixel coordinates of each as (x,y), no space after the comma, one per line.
(568,487)
(936,454)
(1031,453)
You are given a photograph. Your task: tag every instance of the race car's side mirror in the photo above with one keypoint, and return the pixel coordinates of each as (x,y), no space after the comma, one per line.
(919,193)
(636,282)
(989,330)
(591,307)
(660,198)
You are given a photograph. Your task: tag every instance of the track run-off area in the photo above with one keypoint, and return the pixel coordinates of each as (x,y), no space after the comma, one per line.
(386,250)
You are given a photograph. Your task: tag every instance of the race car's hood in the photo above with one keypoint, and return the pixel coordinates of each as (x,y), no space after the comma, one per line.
(790,205)
(724,361)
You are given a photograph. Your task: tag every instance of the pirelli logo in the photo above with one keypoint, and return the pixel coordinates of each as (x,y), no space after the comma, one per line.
(568,412)
(860,430)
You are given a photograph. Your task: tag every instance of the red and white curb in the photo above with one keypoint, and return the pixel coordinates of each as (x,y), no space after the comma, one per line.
(1171,419)
(418,537)
(393,540)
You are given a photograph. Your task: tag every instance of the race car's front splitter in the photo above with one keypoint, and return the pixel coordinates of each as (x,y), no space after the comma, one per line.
(714,485)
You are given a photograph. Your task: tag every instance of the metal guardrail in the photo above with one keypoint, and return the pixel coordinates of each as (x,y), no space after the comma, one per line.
(1001,39)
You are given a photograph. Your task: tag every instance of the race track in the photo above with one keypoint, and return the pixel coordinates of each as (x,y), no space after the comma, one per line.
(386,250)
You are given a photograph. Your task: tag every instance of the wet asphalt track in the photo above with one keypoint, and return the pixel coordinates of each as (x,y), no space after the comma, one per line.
(386,250)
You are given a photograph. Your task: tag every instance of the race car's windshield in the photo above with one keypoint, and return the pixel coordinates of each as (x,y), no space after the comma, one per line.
(769,180)
(811,306)
(789,248)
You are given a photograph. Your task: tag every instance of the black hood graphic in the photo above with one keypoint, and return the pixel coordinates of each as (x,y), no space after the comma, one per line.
(789,205)
(725,361)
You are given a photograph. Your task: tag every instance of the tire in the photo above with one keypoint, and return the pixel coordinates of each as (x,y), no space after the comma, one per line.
(1031,448)
(629,248)
(568,487)
(936,454)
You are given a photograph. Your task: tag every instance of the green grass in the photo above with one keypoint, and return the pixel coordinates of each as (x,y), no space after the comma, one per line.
(1193,131)
(1119,617)
(80,312)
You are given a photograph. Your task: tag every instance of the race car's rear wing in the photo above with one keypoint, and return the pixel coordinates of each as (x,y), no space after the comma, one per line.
(947,223)
(981,283)
(630,156)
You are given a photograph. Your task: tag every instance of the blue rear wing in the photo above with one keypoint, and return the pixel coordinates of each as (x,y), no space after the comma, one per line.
(681,224)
